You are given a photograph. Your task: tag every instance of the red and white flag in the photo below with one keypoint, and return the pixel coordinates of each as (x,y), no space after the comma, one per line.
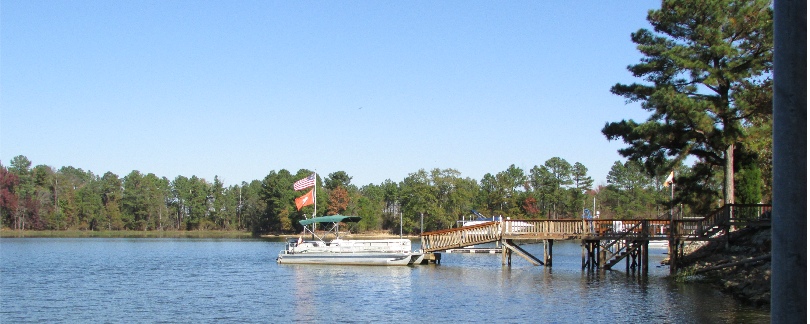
(304,200)
(305,182)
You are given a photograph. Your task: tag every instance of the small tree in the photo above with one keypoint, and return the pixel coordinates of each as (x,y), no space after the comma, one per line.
(338,201)
(749,185)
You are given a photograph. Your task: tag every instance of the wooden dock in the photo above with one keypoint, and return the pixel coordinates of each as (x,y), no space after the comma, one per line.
(605,242)
(475,250)
(432,257)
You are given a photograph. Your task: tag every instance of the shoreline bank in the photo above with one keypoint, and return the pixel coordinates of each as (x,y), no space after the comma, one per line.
(5,233)
(741,269)
(8,233)
(350,236)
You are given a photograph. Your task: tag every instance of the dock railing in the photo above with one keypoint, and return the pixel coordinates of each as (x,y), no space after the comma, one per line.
(723,220)
(533,227)
(453,238)
(585,229)
(749,214)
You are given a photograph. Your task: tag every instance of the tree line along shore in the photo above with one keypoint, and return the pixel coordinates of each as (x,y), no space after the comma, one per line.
(43,198)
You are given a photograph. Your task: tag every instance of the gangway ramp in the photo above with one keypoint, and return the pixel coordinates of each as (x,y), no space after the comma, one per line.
(454,238)
(459,237)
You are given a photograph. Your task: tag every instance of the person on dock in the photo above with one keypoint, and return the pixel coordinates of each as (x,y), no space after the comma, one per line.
(587,217)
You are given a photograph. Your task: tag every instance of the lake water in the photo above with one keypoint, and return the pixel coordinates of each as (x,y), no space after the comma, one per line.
(95,280)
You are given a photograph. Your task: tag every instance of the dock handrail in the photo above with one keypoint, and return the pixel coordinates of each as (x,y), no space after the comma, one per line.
(460,237)
(721,220)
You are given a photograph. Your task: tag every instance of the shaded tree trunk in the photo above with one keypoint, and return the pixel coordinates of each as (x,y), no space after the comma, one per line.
(728,176)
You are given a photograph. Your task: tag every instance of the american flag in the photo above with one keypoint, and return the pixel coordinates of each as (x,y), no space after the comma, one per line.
(305,182)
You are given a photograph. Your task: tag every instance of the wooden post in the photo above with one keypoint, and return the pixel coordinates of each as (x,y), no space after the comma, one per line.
(673,247)
(602,257)
(587,246)
(509,257)
(673,256)
(645,260)
(583,255)
(627,259)
(645,227)
(503,247)
(503,254)
(548,252)
(506,254)
(590,250)
(632,254)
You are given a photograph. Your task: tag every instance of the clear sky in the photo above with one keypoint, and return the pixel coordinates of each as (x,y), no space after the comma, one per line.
(378,89)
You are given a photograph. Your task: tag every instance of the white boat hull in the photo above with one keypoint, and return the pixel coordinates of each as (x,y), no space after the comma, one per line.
(379,259)
(417,258)
(658,244)
(386,252)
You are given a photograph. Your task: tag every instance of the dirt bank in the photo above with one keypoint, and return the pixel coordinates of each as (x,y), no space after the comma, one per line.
(742,269)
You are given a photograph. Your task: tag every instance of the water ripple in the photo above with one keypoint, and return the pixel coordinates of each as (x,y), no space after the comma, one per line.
(199,280)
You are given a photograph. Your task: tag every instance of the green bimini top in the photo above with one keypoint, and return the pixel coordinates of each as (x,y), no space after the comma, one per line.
(330,219)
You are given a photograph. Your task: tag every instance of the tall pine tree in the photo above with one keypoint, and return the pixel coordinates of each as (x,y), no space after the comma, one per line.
(707,66)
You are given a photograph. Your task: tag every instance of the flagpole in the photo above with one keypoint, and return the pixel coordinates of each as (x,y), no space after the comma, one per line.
(670,182)
(314,198)
(672,197)
(315,194)
(672,201)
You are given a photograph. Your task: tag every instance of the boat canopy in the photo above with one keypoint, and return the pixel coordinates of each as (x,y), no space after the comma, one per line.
(330,219)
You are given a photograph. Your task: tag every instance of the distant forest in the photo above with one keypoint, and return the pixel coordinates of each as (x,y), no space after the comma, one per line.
(45,198)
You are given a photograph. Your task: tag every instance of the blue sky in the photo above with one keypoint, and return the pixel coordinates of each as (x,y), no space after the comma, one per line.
(376,89)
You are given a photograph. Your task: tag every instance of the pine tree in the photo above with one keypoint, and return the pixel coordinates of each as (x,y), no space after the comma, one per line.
(707,66)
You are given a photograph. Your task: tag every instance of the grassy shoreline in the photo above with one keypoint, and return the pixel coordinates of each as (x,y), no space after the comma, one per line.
(5,233)
(8,233)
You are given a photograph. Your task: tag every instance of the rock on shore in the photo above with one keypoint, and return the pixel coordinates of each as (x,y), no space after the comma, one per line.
(750,282)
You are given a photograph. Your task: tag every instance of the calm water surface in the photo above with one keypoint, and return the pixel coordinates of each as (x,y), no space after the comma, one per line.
(209,280)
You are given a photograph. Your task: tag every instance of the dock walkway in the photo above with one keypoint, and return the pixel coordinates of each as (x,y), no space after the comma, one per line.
(605,241)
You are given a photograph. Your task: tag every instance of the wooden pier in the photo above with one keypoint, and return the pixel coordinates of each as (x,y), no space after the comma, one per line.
(474,250)
(605,242)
